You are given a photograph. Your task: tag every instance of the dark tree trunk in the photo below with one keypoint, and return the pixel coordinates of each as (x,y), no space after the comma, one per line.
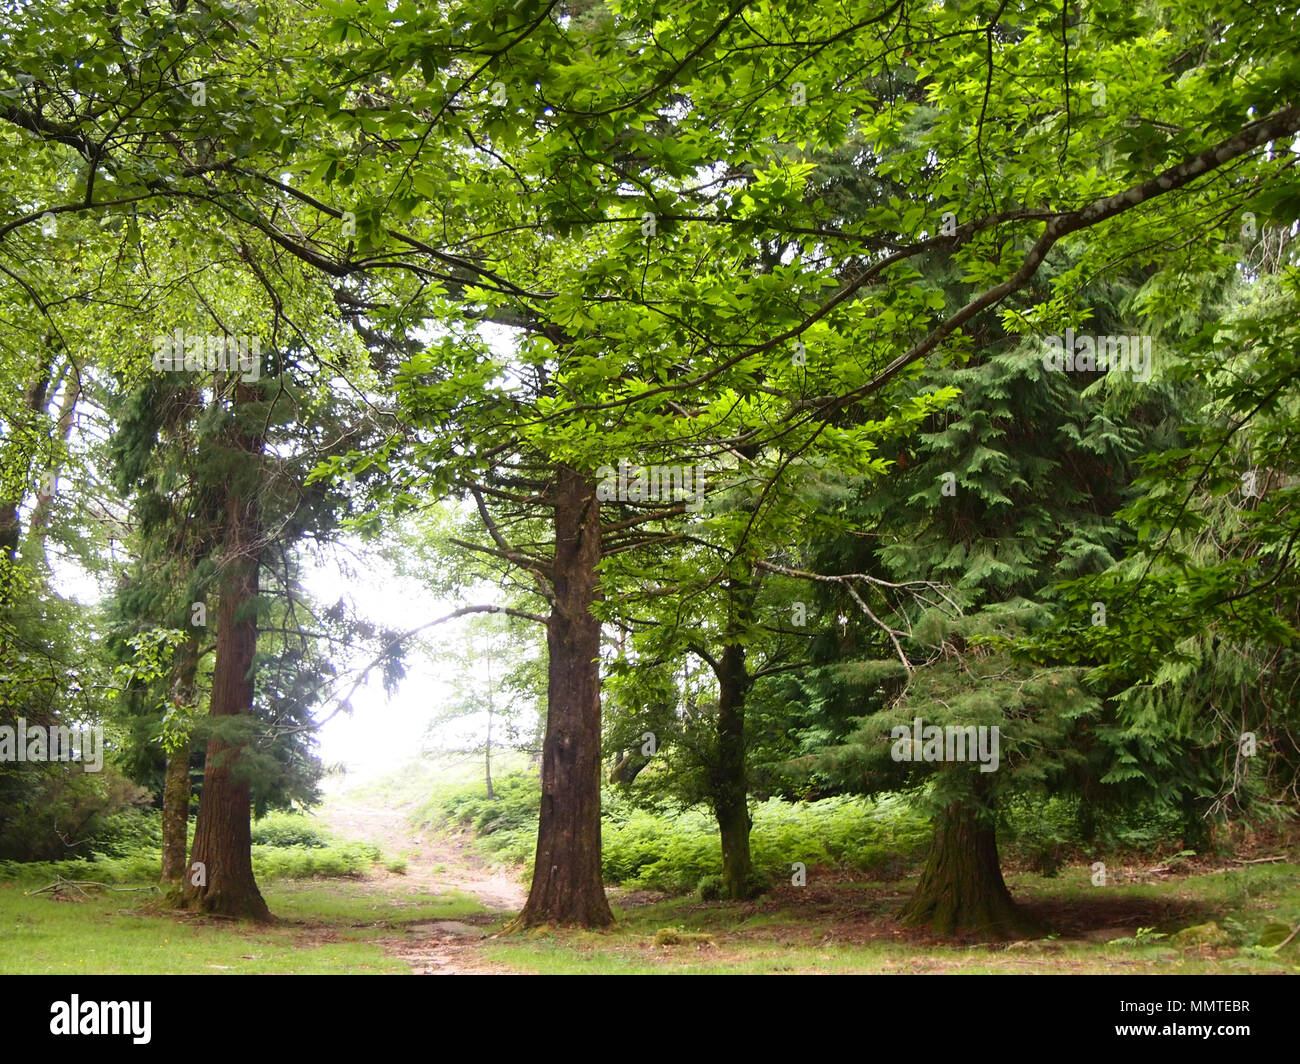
(176,782)
(567,886)
(961,886)
(223,833)
(730,786)
(175,814)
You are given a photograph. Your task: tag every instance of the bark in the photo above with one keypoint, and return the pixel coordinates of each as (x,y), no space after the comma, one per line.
(175,814)
(176,781)
(487,750)
(40,520)
(961,887)
(567,886)
(223,833)
(34,398)
(730,786)
(628,767)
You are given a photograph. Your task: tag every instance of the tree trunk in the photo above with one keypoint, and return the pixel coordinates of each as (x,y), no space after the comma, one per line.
(223,834)
(487,758)
(176,781)
(175,815)
(730,786)
(38,526)
(487,750)
(961,886)
(567,885)
(34,396)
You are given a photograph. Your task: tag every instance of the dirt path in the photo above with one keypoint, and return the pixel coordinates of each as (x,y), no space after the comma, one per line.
(434,865)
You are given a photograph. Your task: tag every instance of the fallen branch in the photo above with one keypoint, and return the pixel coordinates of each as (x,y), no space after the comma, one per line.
(59,883)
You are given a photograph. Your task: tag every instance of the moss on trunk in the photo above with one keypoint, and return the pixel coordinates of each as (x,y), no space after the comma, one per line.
(961,887)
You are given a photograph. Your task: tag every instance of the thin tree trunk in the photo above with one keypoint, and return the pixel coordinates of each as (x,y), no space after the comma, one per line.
(961,887)
(487,752)
(34,397)
(567,886)
(730,786)
(222,853)
(176,781)
(38,526)
(175,815)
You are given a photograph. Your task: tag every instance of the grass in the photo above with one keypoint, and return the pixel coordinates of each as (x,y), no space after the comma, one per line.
(845,927)
(357,919)
(325,928)
(374,925)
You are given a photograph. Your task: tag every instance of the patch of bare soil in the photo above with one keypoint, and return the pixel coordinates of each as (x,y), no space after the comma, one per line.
(840,910)
(435,864)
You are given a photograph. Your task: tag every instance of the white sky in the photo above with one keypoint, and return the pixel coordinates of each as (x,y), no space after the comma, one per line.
(381,733)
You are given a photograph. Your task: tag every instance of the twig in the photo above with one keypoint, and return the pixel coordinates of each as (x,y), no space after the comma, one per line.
(60,882)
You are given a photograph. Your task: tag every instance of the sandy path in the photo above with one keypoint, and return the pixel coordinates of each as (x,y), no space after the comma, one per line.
(434,865)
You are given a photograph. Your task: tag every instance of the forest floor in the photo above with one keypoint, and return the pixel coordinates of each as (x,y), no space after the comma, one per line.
(445,912)
(842,923)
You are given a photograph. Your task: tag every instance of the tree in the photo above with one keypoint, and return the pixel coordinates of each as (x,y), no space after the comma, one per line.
(491,683)
(559,171)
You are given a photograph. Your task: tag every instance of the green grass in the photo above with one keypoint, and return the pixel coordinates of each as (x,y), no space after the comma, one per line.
(354,926)
(327,928)
(781,935)
(347,920)
(365,908)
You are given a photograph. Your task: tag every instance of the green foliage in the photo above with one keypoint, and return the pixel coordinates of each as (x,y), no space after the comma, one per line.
(675,851)
(63,813)
(283,830)
(1048,831)
(308,862)
(789,285)
(138,867)
(514,809)
(125,848)
(711,888)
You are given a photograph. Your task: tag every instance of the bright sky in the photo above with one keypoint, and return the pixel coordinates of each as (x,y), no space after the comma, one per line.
(381,733)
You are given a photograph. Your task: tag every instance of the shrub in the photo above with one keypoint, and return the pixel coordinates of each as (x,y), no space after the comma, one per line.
(306,862)
(675,852)
(518,796)
(63,813)
(711,888)
(281,829)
